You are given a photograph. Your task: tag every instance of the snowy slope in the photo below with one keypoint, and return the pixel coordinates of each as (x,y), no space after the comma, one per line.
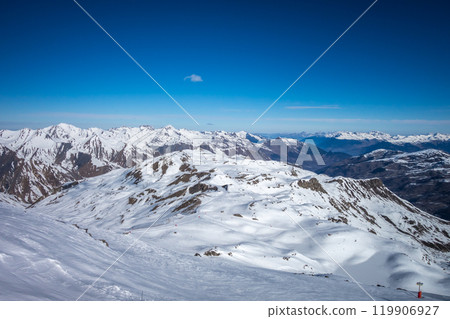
(43,259)
(259,214)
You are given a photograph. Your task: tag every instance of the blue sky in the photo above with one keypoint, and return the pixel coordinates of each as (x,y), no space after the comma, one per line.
(390,72)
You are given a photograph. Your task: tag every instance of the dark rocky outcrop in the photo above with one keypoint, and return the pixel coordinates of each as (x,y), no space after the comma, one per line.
(421,178)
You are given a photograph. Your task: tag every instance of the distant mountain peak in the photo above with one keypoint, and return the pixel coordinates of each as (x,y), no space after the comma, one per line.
(169,127)
(395,139)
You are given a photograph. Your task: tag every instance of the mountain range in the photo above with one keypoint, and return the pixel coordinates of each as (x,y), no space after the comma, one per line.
(197,218)
(33,163)
(415,167)
(358,143)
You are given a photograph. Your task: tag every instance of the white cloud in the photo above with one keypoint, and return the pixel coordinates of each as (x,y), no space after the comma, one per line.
(312,107)
(194,78)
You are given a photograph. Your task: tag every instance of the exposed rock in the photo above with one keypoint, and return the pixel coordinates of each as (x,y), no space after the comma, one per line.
(312,184)
(200,187)
(189,206)
(211,252)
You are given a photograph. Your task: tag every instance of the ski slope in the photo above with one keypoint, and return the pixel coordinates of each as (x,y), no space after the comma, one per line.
(43,259)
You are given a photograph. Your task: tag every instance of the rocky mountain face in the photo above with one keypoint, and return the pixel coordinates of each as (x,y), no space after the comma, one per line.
(421,177)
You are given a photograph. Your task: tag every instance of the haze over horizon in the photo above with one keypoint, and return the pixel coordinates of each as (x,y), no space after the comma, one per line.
(225,63)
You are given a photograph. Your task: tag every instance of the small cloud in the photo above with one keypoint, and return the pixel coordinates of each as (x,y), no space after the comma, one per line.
(194,78)
(209,124)
(313,107)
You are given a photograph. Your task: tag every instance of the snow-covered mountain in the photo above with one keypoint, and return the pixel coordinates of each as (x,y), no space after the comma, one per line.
(367,136)
(358,143)
(33,163)
(385,137)
(422,177)
(260,214)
